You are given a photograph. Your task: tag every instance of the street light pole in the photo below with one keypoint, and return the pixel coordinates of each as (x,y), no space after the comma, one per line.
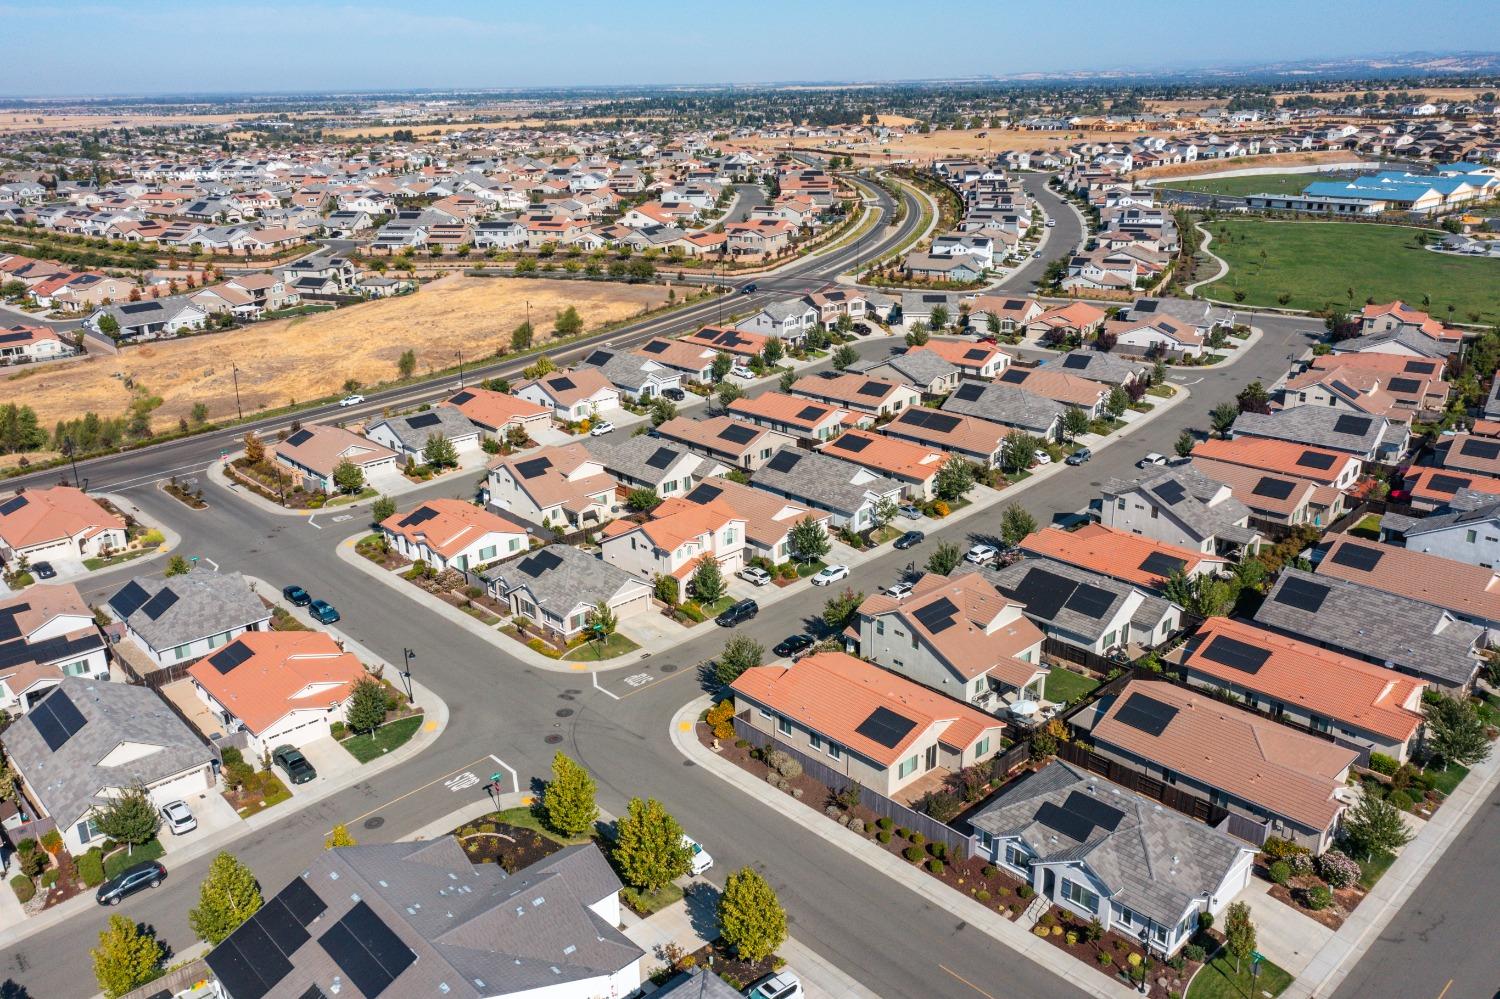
(70,449)
(460,355)
(237,407)
(406,673)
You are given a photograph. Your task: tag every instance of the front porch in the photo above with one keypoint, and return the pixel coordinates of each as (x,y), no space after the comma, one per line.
(933,780)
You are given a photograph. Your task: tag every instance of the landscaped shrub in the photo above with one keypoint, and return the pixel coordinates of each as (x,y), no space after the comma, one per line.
(1025,891)
(1337,869)
(1071,937)
(912,853)
(1193,952)
(917,839)
(23,887)
(49,877)
(33,863)
(1040,930)
(938,849)
(1105,959)
(857,826)
(1279,849)
(740,743)
(903,832)
(935,866)
(1383,764)
(1281,872)
(1301,864)
(990,870)
(982,895)
(1317,897)
(91,868)
(338,730)
(884,836)
(1401,800)
(52,841)
(721,719)
(789,766)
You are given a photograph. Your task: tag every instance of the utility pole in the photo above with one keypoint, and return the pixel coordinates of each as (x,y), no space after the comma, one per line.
(237,407)
(68,448)
(460,355)
(406,673)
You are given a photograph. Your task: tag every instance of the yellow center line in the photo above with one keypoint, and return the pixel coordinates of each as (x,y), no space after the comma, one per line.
(408,794)
(975,987)
(1445,989)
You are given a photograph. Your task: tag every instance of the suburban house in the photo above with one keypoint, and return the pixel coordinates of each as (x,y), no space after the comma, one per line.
(739,344)
(46,633)
(1403,634)
(859,393)
(927,372)
(850,493)
(1283,501)
(1079,319)
(1099,366)
(796,417)
(1336,471)
(57,522)
(278,687)
(315,452)
(1468,452)
(916,466)
(1291,782)
(692,361)
(1060,386)
(675,537)
(788,320)
(1008,406)
(768,519)
(1086,609)
(1011,314)
(1156,336)
(497,413)
(557,587)
(646,462)
(638,377)
(1182,507)
(1369,438)
(562,485)
(377,914)
(869,724)
(151,319)
(453,534)
(725,440)
(1469,592)
(571,395)
(86,742)
(981,361)
(408,435)
(956,635)
(1401,388)
(969,437)
(1430,489)
(1130,558)
(1107,853)
(1397,316)
(177,618)
(21,344)
(1356,703)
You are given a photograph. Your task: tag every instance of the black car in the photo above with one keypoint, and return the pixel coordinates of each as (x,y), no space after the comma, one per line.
(749,289)
(297,769)
(296,596)
(43,570)
(792,647)
(861,329)
(138,877)
(910,539)
(1078,457)
(675,394)
(742,611)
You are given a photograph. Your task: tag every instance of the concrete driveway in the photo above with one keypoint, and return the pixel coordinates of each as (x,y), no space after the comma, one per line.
(214,815)
(328,758)
(1283,934)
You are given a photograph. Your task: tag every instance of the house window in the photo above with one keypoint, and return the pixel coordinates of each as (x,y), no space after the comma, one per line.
(815,739)
(87,831)
(1124,915)
(835,751)
(485,554)
(907,768)
(576,621)
(1080,896)
(76,669)
(1470,536)
(764,713)
(1109,639)
(880,626)
(515,544)
(1017,857)
(1120,503)
(982,746)
(784,725)
(181,652)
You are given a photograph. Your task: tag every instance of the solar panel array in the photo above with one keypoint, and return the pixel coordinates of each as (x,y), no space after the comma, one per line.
(299,438)
(562,384)
(661,458)
(1090,601)
(1316,459)
(969,391)
(533,467)
(1404,384)
(783,461)
(461,398)
(1078,816)
(937,617)
(1235,654)
(423,420)
(227,658)
(1420,367)
(542,561)
(159,604)
(1355,425)
(705,493)
(656,347)
(939,423)
(1162,564)
(1278,489)
(13,504)
(1170,492)
(599,358)
(852,444)
(252,960)
(1449,483)
(367,950)
(420,515)
(874,389)
(1044,593)
(1146,714)
(1076,361)
(811,412)
(1014,376)
(56,718)
(1484,450)
(977,354)
(130,598)
(886,728)
(738,433)
(1301,594)
(1361,557)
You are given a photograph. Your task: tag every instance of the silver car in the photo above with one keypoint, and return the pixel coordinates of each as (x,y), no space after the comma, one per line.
(176,816)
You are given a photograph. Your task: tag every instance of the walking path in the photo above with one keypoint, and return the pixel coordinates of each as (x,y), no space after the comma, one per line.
(1208,238)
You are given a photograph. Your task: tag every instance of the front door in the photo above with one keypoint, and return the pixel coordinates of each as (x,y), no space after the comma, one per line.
(931,757)
(1049,882)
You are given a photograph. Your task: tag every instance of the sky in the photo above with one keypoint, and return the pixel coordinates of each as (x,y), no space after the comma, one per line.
(57,48)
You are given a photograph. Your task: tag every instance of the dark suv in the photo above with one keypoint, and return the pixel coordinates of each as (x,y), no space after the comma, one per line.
(742,611)
(298,770)
(139,877)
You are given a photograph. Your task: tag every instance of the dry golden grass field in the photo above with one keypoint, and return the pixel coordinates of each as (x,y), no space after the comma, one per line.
(949,142)
(13,120)
(310,357)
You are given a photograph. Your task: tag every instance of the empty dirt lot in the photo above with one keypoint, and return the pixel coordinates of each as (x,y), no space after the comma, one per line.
(310,357)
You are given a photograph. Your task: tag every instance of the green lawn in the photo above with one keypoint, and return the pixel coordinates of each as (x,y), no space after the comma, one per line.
(1371,871)
(1368,527)
(1319,264)
(1447,779)
(1064,686)
(1239,187)
(1217,980)
(649,904)
(121,859)
(805,569)
(591,652)
(522,818)
(368,746)
(102,563)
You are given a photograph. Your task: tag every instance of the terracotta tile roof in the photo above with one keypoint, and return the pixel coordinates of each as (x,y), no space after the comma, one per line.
(325,446)
(1253,758)
(1468,453)
(678,354)
(41,515)
(1057,386)
(1118,554)
(1074,315)
(833,694)
(448,526)
(722,434)
(1485,428)
(1470,591)
(950,430)
(558,481)
(1282,457)
(1415,317)
(677,521)
(286,671)
(728,339)
(886,454)
(493,410)
(848,389)
(1350,691)
(965,354)
(768,518)
(1439,485)
(1281,495)
(987,631)
(779,407)
(585,384)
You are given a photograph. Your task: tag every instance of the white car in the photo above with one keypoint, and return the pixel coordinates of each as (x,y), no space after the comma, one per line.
(782,985)
(1051,223)
(830,574)
(1042,457)
(740,371)
(982,554)
(601,428)
(351,400)
(754,575)
(176,816)
(701,859)
(1151,459)
(898,590)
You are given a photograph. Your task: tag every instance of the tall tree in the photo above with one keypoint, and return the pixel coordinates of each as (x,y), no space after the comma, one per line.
(939,318)
(383,508)
(1016,524)
(844,356)
(1253,398)
(367,705)
(728,393)
(954,479)
(440,452)
(740,653)
(601,619)
(648,847)
(1185,444)
(129,818)
(750,916)
(1075,422)
(708,581)
(1018,452)
(127,957)
(809,541)
(348,476)
(1455,732)
(944,559)
(839,611)
(226,898)
(568,799)
(1116,403)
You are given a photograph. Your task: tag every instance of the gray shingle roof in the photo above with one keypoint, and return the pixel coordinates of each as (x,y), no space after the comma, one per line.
(700,983)
(1097,365)
(1218,521)
(642,458)
(1460,514)
(918,368)
(414,429)
(206,604)
(1405,634)
(1154,861)
(628,371)
(822,481)
(1009,406)
(66,780)
(560,578)
(1319,426)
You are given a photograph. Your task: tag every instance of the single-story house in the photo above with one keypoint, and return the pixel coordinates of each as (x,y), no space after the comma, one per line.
(558,586)
(314,452)
(46,633)
(57,522)
(408,435)
(177,618)
(495,413)
(452,533)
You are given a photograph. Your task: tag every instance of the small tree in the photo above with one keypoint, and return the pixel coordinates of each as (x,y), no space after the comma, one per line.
(200,414)
(569,322)
(666,589)
(939,318)
(1115,405)
(1018,452)
(226,898)
(772,352)
(839,611)
(337,837)
(255,451)
(367,705)
(127,957)
(844,356)
(521,337)
(383,509)
(642,499)
(809,540)
(108,324)
(1455,732)
(1016,524)
(406,364)
(1239,933)
(722,363)
(1253,398)
(944,559)
(708,581)
(601,619)
(1185,444)
(728,393)
(440,452)
(348,476)
(662,410)
(1223,416)
(648,847)
(568,799)
(750,916)
(177,566)
(539,368)
(1075,422)
(1374,826)
(954,479)
(885,511)
(740,653)
(130,818)
(917,336)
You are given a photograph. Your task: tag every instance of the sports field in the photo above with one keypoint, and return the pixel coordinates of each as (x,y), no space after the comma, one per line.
(1239,187)
(1339,265)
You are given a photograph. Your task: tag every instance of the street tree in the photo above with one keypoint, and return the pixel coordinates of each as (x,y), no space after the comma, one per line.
(1374,826)
(128,956)
(1253,398)
(601,619)
(177,566)
(939,318)
(1222,417)
(709,585)
(1117,402)
(722,363)
(944,559)
(954,479)
(1185,444)
(839,611)
(228,896)
(751,918)
(568,799)
(522,336)
(649,851)
(728,393)
(918,335)
(440,452)
(844,356)
(255,451)
(382,509)
(1016,524)
(1455,732)
(1239,933)
(772,352)
(367,705)
(129,818)
(740,653)
(809,540)
(1075,422)
(539,368)
(1018,452)
(348,476)
(885,511)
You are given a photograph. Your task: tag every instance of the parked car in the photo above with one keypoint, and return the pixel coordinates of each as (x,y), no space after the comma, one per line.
(1051,223)
(754,575)
(351,400)
(675,394)
(748,289)
(830,574)
(1151,459)
(296,595)
(1042,457)
(911,513)
(1078,457)
(43,570)
(176,816)
(294,764)
(737,613)
(897,591)
(982,554)
(740,371)
(324,611)
(909,539)
(1037,255)
(137,877)
(782,985)
(792,647)
(861,329)
(601,428)
(701,860)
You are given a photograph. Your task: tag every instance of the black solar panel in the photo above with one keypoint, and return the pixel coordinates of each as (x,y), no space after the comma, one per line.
(1146,714)
(1096,811)
(9,629)
(159,604)
(1044,593)
(1484,450)
(562,384)
(1014,376)
(461,398)
(1064,822)
(598,358)
(969,391)
(656,347)
(1449,483)
(301,901)
(420,515)
(885,727)
(1076,360)
(227,658)
(705,493)
(784,461)
(1271,488)
(542,561)
(1162,564)
(367,950)
(1302,594)
(873,389)
(1316,459)
(1420,367)
(1171,492)
(130,598)
(1090,601)
(13,504)
(1361,557)
(247,975)
(313,992)
(57,719)
(423,420)
(1404,384)
(851,443)
(661,458)
(940,423)
(1235,654)
(1357,426)
(937,616)
(299,438)
(533,467)
(977,354)
(738,433)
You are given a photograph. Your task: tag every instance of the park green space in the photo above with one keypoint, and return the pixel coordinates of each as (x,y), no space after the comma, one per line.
(1239,187)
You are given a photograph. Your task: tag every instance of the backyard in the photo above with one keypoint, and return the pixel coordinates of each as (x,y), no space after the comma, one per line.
(1341,265)
(1064,686)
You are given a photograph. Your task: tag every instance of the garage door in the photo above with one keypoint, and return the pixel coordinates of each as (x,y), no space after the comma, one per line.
(636,605)
(184,786)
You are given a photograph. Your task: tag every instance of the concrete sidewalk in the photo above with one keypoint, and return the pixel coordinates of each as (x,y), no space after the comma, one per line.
(1008,933)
